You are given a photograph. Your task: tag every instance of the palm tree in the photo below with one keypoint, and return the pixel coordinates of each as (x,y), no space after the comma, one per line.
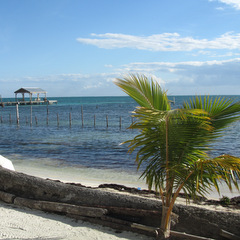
(175,145)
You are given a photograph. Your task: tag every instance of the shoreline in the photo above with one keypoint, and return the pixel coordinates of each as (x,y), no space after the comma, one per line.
(95,177)
(86,176)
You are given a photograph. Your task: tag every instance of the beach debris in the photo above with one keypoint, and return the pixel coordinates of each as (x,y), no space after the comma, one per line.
(229,235)
(60,207)
(111,208)
(6,163)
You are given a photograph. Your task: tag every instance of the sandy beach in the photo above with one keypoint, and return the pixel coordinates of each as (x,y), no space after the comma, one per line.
(26,224)
(23,223)
(94,177)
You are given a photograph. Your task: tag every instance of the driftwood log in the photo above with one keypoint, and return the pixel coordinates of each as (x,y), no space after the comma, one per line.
(26,186)
(120,211)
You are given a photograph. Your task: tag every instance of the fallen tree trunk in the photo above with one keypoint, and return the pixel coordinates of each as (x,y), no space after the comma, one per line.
(120,207)
(229,235)
(60,207)
(26,186)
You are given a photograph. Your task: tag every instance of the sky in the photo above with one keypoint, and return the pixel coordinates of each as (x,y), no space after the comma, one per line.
(79,47)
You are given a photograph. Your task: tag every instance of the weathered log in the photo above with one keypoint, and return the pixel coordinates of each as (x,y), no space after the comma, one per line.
(7,197)
(188,236)
(192,220)
(143,227)
(229,235)
(148,217)
(205,222)
(184,235)
(114,223)
(26,186)
(133,212)
(60,207)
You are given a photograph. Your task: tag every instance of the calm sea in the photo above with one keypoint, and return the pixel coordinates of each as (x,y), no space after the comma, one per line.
(81,132)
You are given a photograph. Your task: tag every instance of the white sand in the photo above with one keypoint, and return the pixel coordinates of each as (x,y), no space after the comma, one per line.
(23,223)
(26,224)
(86,176)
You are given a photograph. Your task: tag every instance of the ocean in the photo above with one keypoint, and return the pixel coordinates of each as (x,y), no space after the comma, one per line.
(82,135)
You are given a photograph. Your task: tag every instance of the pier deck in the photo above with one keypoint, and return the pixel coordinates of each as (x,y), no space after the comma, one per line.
(35,102)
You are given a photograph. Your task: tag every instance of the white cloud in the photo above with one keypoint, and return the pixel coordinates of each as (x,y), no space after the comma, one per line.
(108,65)
(234,3)
(72,84)
(162,42)
(220,8)
(189,77)
(196,73)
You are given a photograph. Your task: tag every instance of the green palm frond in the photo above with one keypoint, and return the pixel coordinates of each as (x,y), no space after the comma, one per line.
(224,168)
(222,111)
(146,93)
(174,145)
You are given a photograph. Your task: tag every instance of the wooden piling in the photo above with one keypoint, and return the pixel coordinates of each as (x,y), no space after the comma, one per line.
(17,114)
(94,120)
(82,115)
(31,116)
(107,120)
(1,119)
(10,118)
(36,120)
(120,122)
(47,114)
(57,120)
(70,120)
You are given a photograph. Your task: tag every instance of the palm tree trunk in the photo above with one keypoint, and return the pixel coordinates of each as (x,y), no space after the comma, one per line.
(168,195)
(164,230)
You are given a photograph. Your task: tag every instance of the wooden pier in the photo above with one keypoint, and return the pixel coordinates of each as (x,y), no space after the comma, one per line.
(35,102)
(30,100)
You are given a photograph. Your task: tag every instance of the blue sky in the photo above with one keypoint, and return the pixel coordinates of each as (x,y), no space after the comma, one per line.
(78,47)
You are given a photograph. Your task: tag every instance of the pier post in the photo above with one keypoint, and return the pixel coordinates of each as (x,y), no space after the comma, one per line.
(70,120)
(107,120)
(120,122)
(31,115)
(82,114)
(17,114)
(47,114)
(57,120)
(94,120)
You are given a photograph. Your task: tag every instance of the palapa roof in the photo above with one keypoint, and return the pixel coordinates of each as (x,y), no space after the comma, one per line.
(30,90)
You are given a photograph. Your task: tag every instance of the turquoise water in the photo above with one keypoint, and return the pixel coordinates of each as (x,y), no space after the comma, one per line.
(58,137)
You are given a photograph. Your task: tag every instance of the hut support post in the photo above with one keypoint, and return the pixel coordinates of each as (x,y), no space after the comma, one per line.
(31,115)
